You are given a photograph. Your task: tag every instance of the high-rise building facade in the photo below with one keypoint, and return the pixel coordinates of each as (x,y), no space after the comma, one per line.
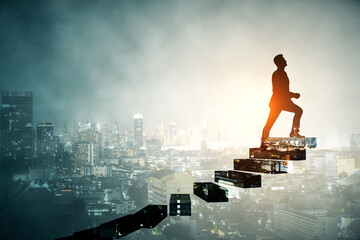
(172,134)
(138,130)
(44,131)
(47,145)
(159,132)
(153,147)
(16,131)
(84,154)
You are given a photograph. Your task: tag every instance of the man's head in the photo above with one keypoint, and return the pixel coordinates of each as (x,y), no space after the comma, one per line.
(280,61)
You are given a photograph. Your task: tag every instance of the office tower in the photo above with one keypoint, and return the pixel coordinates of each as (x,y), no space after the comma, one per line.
(172,134)
(105,132)
(92,136)
(16,133)
(194,137)
(64,162)
(204,136)
(138,130)
(159,131)
(47,145)
(182,137)
(65,126)
(44,131)
(76,126)
(83,154)
(153,147)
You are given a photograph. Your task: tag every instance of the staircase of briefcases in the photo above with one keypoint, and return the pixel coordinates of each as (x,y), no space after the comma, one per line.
(272,160)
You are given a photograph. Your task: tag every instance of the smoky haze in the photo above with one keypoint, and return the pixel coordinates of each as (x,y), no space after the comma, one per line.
(184,61)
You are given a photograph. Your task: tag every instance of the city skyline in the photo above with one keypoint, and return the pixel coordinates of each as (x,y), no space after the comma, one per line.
(217,137)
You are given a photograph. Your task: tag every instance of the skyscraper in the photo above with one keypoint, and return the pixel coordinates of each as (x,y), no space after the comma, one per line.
(65,126)
(16,134)
(138,130)
(47,145)
(83,154)
(172,134)
(159,132)
(44,131)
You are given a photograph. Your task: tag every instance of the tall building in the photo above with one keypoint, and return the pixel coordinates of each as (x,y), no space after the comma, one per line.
(77,127)
(44,131)
(83,154)
(106,136)
(64,162)
(172,134)
(204,136)
(16,132)
(153,147)
(138,130)
(65,126)
(91,135)
(159,132)
(47,145)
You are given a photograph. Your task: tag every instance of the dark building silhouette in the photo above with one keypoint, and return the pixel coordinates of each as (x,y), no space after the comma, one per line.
(47,145)
(16,131)
(44,132)
(64,162)
(138,130)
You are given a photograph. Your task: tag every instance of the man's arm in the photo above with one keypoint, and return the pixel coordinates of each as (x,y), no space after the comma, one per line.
(294,95)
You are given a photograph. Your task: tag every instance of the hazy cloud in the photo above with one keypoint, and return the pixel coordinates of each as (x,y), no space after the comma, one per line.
(183,61)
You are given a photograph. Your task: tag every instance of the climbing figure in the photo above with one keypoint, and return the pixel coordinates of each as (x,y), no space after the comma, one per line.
(281,100)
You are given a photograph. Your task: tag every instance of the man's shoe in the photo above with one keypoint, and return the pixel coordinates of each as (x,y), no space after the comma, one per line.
(296,135)
(264,146)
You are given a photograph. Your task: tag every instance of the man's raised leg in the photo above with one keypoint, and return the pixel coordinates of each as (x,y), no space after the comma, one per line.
(296,121)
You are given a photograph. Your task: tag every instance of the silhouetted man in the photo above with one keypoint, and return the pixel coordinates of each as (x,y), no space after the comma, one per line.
(281,100)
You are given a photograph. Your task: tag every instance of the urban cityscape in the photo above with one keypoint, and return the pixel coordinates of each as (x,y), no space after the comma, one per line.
(57,180)
(170,119)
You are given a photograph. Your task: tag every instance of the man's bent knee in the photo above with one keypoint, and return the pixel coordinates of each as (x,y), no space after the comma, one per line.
(299,111)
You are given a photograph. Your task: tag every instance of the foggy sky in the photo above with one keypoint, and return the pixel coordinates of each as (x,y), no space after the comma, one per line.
(184,61)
